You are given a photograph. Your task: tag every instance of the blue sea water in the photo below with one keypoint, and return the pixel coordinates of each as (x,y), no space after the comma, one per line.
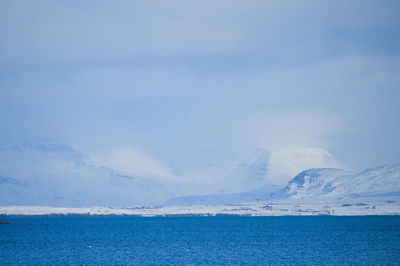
(222,240)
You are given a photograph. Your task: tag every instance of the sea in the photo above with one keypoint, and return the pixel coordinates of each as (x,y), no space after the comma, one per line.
(195,240)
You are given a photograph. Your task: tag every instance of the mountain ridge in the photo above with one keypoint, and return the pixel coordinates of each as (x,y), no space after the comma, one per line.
(54,173)
(330,183)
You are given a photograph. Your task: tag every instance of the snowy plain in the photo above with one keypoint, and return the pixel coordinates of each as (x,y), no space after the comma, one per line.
(383,206)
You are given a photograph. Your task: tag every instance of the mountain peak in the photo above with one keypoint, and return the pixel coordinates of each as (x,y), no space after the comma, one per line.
(336,183)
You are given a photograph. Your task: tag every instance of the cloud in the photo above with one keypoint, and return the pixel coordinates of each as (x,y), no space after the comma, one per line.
(283,130)
(320,105)
(285,164)
(275,74)
(133,163)
(54,31)
(66,31)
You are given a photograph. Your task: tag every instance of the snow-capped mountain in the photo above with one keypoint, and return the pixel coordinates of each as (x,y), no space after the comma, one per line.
(286,163)
(253,176)
(314,185)
(53,173)
(246,172)
(337,184)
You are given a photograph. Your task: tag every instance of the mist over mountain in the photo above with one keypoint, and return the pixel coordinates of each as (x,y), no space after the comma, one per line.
(197,101)
(315,185)
(51,172)
(259,194)
(336,184)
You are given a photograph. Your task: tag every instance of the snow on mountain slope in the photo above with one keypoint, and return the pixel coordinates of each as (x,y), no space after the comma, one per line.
(53,173)
(259,167)
(286,163)
(257,174)
(336,184)
(247,172)
(133,162)
(218,199)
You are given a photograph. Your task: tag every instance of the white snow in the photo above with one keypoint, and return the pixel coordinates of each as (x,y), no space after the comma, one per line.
(336,184)
(52,173)
(244,173)
(286,163)
(279,208)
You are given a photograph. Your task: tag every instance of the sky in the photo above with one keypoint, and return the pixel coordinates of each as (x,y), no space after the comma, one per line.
(191,83)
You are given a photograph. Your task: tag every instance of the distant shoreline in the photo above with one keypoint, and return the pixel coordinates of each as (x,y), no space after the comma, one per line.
(181,215)
(345,208)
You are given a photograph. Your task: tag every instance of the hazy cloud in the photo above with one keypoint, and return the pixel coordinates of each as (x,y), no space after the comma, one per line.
(193,83)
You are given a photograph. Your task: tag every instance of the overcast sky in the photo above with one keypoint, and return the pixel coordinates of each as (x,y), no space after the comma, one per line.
(193,82)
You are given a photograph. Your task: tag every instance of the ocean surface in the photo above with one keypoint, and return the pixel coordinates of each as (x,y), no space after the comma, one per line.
(221,240)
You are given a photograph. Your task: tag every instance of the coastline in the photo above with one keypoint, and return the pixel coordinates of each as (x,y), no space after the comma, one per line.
(358,208)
